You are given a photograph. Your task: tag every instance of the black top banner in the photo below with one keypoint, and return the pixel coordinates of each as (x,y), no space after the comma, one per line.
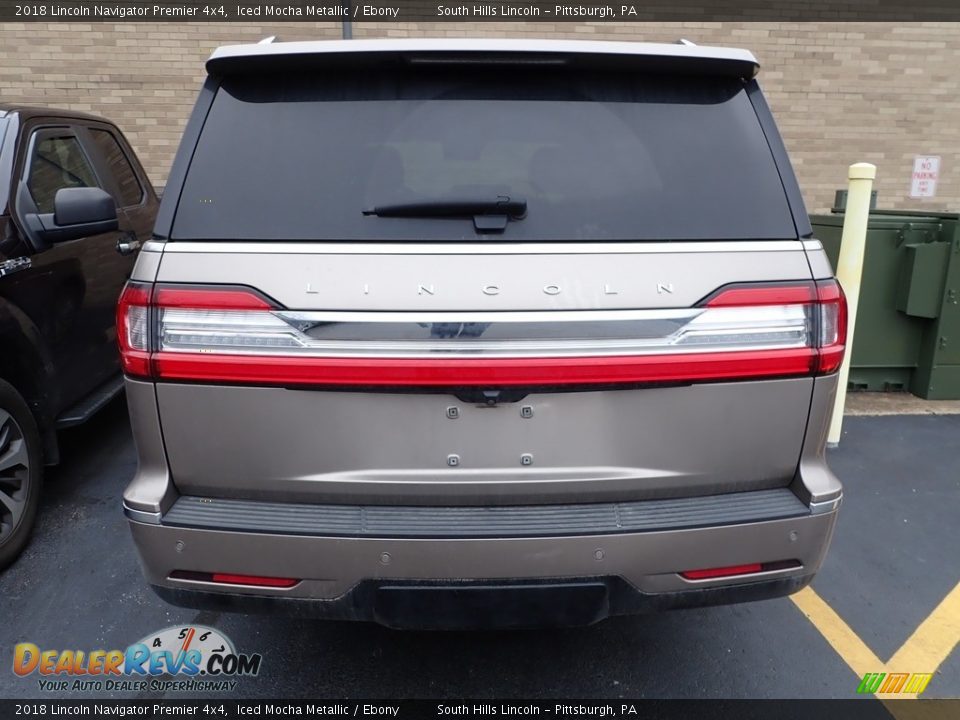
(861,709)
(477,11)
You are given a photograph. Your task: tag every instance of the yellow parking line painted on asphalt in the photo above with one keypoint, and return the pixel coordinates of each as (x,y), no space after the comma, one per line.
(934,640)
(847,644)
(923,652)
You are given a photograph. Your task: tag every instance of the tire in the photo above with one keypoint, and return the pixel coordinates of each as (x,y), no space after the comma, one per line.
(21,473)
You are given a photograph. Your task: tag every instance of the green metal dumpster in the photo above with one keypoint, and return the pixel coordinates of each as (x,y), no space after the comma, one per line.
(908,321)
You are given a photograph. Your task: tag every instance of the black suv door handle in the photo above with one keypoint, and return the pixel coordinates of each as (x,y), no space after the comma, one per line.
(128,244)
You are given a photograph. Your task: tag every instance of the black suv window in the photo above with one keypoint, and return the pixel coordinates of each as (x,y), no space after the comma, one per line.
(131,193)
(57,162)
(596,156)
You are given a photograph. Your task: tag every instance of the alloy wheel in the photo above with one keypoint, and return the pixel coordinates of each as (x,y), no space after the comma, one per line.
(14,474)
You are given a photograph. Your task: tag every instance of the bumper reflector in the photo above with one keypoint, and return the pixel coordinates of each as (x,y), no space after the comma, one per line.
(232,579)
(733,570)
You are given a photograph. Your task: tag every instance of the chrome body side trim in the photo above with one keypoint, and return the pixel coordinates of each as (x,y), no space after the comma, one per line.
(826,506)
(141,516)
(380,248)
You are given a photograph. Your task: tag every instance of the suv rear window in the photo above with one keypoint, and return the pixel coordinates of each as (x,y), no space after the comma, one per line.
(596,155)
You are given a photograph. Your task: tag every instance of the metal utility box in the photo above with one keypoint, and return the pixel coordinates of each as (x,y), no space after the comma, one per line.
(908,321)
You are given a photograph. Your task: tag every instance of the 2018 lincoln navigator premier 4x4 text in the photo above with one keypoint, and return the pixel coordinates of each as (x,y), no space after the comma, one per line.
(447,333)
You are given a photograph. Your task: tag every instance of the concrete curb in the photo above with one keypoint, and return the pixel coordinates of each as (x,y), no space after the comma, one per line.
(875,403)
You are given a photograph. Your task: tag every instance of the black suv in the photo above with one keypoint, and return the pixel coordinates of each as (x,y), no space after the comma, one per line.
(75,204)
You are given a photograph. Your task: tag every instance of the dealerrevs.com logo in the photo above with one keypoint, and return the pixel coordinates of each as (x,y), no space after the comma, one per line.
(188,659)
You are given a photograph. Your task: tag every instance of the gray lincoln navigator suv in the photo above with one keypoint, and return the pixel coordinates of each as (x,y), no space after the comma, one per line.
(470,333)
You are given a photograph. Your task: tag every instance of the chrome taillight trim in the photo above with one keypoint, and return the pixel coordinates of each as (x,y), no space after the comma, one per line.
(529,334)
(235,334)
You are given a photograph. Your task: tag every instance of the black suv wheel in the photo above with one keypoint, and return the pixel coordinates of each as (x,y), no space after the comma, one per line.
(21,473)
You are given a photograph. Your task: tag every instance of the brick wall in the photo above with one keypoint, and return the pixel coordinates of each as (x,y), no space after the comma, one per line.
(841,92)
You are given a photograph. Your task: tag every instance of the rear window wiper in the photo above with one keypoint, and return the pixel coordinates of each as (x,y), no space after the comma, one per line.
(488,215)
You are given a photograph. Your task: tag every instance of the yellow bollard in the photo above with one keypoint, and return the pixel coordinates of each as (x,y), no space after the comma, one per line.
(849,272)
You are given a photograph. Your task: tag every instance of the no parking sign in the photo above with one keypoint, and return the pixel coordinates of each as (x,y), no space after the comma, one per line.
(926,172)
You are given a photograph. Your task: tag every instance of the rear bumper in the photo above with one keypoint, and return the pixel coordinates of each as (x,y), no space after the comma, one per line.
(480,579)
(346,558)
(474,606)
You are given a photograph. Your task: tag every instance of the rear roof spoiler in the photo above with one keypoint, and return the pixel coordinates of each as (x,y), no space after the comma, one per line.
(686,58)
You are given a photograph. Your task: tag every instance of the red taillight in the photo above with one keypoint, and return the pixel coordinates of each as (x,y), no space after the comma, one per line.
(832,338)
(140,304)
(747,295)
(231,334)
(168,296)
(234,579)
(829,315)
(134,329)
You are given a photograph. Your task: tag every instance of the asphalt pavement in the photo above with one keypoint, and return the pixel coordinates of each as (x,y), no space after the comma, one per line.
(894,558)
